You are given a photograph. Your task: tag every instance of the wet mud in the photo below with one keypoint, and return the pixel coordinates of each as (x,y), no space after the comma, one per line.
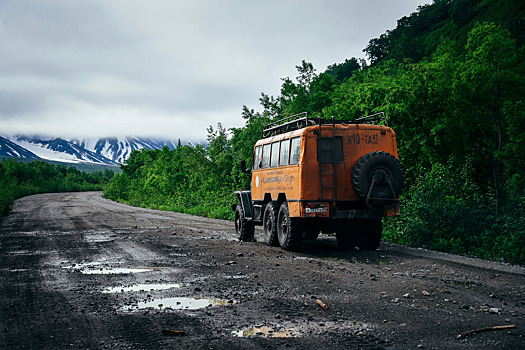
(78,271)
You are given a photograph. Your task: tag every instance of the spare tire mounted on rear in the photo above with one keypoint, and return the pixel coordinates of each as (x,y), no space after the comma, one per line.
(378,177)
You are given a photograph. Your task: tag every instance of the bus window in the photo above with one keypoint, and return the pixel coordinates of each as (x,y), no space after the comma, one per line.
(295,151)
(257,158)
(275,154)
(285,152)
(266,156)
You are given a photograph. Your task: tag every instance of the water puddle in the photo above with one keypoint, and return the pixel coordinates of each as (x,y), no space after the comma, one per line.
(96,268)
(99,238)
(23,252)
(179,303)
(118,270)
(82,266)
(142,288)
(266,332)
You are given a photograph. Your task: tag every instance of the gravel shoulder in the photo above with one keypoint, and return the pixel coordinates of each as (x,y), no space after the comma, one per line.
(81,271)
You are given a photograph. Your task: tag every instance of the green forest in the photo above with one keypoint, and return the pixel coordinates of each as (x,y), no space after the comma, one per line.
(19,179)
(450,78)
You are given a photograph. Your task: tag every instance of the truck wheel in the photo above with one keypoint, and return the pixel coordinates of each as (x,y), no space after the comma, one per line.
(288,229)
(270,224)
(388,174)
(370,234)
(243,227)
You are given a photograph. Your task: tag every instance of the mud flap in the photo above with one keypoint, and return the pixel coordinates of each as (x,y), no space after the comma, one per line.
(245,198)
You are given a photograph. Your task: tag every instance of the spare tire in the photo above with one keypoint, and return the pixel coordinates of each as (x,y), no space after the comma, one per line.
(385,172)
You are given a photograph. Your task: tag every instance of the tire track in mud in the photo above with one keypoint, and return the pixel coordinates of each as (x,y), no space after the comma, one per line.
(59,252)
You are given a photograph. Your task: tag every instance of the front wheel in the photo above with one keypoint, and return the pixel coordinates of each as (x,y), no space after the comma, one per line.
(243,227)
(270,224)
(288,229)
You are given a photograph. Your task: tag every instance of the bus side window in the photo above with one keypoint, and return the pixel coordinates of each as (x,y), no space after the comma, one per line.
(266,156)
(275,154)
(295,151)
(257,158)
(285,152)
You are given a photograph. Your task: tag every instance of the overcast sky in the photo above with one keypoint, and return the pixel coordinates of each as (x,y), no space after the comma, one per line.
(167,68)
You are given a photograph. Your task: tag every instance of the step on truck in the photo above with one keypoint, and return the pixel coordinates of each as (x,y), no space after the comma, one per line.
(312,175)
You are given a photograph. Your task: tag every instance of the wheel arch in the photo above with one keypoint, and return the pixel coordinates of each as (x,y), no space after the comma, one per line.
(245,199)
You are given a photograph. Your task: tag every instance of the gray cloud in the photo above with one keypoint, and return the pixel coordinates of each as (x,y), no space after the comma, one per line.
(167,68)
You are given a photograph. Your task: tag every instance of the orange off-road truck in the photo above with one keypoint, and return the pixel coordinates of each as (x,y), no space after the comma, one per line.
(311,175)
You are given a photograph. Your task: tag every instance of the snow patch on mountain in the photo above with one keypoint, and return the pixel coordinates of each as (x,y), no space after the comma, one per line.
(118,149)
(105,151)
(12,150)
(62,151)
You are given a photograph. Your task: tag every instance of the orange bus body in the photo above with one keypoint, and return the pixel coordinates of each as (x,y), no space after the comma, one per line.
(301,183)
(312,175)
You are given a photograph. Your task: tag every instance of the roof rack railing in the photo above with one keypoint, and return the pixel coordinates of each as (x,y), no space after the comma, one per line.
(302,120)
(294,122)
(369,119)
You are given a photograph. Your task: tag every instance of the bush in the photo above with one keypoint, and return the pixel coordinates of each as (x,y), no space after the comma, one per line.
(444,210)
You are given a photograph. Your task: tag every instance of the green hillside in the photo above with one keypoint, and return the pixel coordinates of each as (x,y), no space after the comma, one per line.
(450,77)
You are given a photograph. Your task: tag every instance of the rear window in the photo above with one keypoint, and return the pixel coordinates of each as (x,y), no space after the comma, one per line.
(330,150)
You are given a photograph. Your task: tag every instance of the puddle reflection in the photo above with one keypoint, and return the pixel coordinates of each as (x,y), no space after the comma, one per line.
(266,332)
(117,270)
(142,287)
(103,268)
(180,303)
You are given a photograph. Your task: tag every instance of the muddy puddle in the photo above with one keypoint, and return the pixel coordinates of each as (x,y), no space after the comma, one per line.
(179,303)
(100,268)
(99,238)
(118,270)
(266,332)
(142,287)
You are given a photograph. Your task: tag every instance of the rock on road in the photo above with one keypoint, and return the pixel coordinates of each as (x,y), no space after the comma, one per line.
(79,271)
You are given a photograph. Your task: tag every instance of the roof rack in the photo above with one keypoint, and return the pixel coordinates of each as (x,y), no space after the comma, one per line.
(369,119)
(301,120)
(294,122)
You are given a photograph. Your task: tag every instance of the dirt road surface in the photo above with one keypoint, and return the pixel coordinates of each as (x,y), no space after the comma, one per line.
(78,271)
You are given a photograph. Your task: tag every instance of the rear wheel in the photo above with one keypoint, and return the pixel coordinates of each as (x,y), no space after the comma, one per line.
(288,229)
(270,224)
(243,227)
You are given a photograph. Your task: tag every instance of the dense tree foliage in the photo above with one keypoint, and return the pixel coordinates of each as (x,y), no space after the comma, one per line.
(18,179)
(450,79)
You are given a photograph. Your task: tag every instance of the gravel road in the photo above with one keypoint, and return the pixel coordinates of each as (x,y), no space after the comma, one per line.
(81,271)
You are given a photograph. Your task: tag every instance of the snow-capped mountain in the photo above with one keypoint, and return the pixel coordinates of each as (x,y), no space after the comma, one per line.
(61,150)
(10,150)
(107,151)
(119,149)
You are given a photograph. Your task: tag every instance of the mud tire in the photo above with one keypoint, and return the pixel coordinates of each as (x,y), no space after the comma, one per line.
(364,171)
(270,224)
(243,227)
(288,229)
